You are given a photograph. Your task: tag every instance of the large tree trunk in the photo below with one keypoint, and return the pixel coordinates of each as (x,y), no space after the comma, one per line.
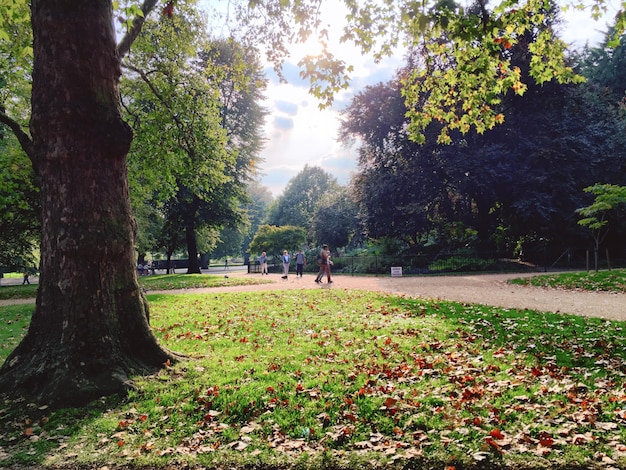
(193,267)
(89,332)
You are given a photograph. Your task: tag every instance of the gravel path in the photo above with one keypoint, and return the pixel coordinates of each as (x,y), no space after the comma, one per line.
(488,289)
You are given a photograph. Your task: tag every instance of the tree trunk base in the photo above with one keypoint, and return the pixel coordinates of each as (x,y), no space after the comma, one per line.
(72,368)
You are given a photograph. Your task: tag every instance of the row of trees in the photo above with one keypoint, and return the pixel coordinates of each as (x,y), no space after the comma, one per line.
(507,189)
(195,115)
(195,109)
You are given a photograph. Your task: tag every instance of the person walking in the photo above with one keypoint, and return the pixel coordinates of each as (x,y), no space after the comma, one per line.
(325,264)
(263,262)
(26,274)
(300,263)
(320,273)
(286,260)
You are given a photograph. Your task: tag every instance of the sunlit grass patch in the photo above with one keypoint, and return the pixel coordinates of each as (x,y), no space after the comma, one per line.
(14,321)
(609,281)
(27,291)
(318,378)
(195,281)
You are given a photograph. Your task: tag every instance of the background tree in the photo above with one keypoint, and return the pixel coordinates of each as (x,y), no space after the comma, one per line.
(19,193)
(19,204)
(203,84)
(236,241)
(259,201)
(241,85)
(172,99)
(274,240)
(556,136)
(297,203)
(608,198)
(149,224)
(334,220)
(229,243)
(604,66)
(400,187)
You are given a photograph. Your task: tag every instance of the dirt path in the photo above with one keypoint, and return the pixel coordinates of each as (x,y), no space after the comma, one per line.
(489,289)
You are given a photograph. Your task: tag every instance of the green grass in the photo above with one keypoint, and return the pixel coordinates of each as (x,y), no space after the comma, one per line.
(341,379)
(18,291)
(610,281)
(150,283)
(14,321)
(195,281)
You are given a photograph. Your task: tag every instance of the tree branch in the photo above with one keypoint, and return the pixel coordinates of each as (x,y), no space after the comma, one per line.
(188,146)
(22,137)
(124,46)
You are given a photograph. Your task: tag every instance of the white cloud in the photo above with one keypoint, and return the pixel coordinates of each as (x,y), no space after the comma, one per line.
(299,133)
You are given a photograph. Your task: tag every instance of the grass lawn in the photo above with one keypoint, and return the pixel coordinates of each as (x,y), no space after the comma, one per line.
(341,379)
(159,282)
(610,281)
(18,291)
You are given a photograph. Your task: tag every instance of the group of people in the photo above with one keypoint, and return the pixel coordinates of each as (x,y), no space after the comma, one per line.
(145,269)
(323,260)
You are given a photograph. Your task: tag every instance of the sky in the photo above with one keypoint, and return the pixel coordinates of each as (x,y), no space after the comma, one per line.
(298,133)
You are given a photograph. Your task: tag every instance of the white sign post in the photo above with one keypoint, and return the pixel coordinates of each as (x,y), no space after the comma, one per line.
(396,271)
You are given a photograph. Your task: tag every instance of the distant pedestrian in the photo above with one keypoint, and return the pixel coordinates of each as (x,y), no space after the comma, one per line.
(263,262)
(300,263)
(321,271)
(325,264)
(25,277)
(225,263)
(286,259)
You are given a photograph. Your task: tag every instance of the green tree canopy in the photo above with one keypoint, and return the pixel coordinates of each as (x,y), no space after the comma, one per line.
(199,103)
(19,206)
(274,240)
(608,198)
(259,201)
(297,204)
(556,136)
(334,221)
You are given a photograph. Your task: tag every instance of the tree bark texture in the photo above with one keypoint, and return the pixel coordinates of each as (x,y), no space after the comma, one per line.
(89,332)
(193,266)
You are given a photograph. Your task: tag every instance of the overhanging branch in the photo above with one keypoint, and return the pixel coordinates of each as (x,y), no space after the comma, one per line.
(23,138)
(124,46)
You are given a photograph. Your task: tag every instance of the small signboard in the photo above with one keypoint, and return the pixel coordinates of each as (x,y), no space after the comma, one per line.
(396,271)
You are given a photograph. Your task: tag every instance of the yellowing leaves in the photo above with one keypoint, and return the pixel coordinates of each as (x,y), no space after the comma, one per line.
(518,87)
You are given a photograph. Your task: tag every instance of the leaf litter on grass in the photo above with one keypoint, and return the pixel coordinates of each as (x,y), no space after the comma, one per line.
(294,375)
